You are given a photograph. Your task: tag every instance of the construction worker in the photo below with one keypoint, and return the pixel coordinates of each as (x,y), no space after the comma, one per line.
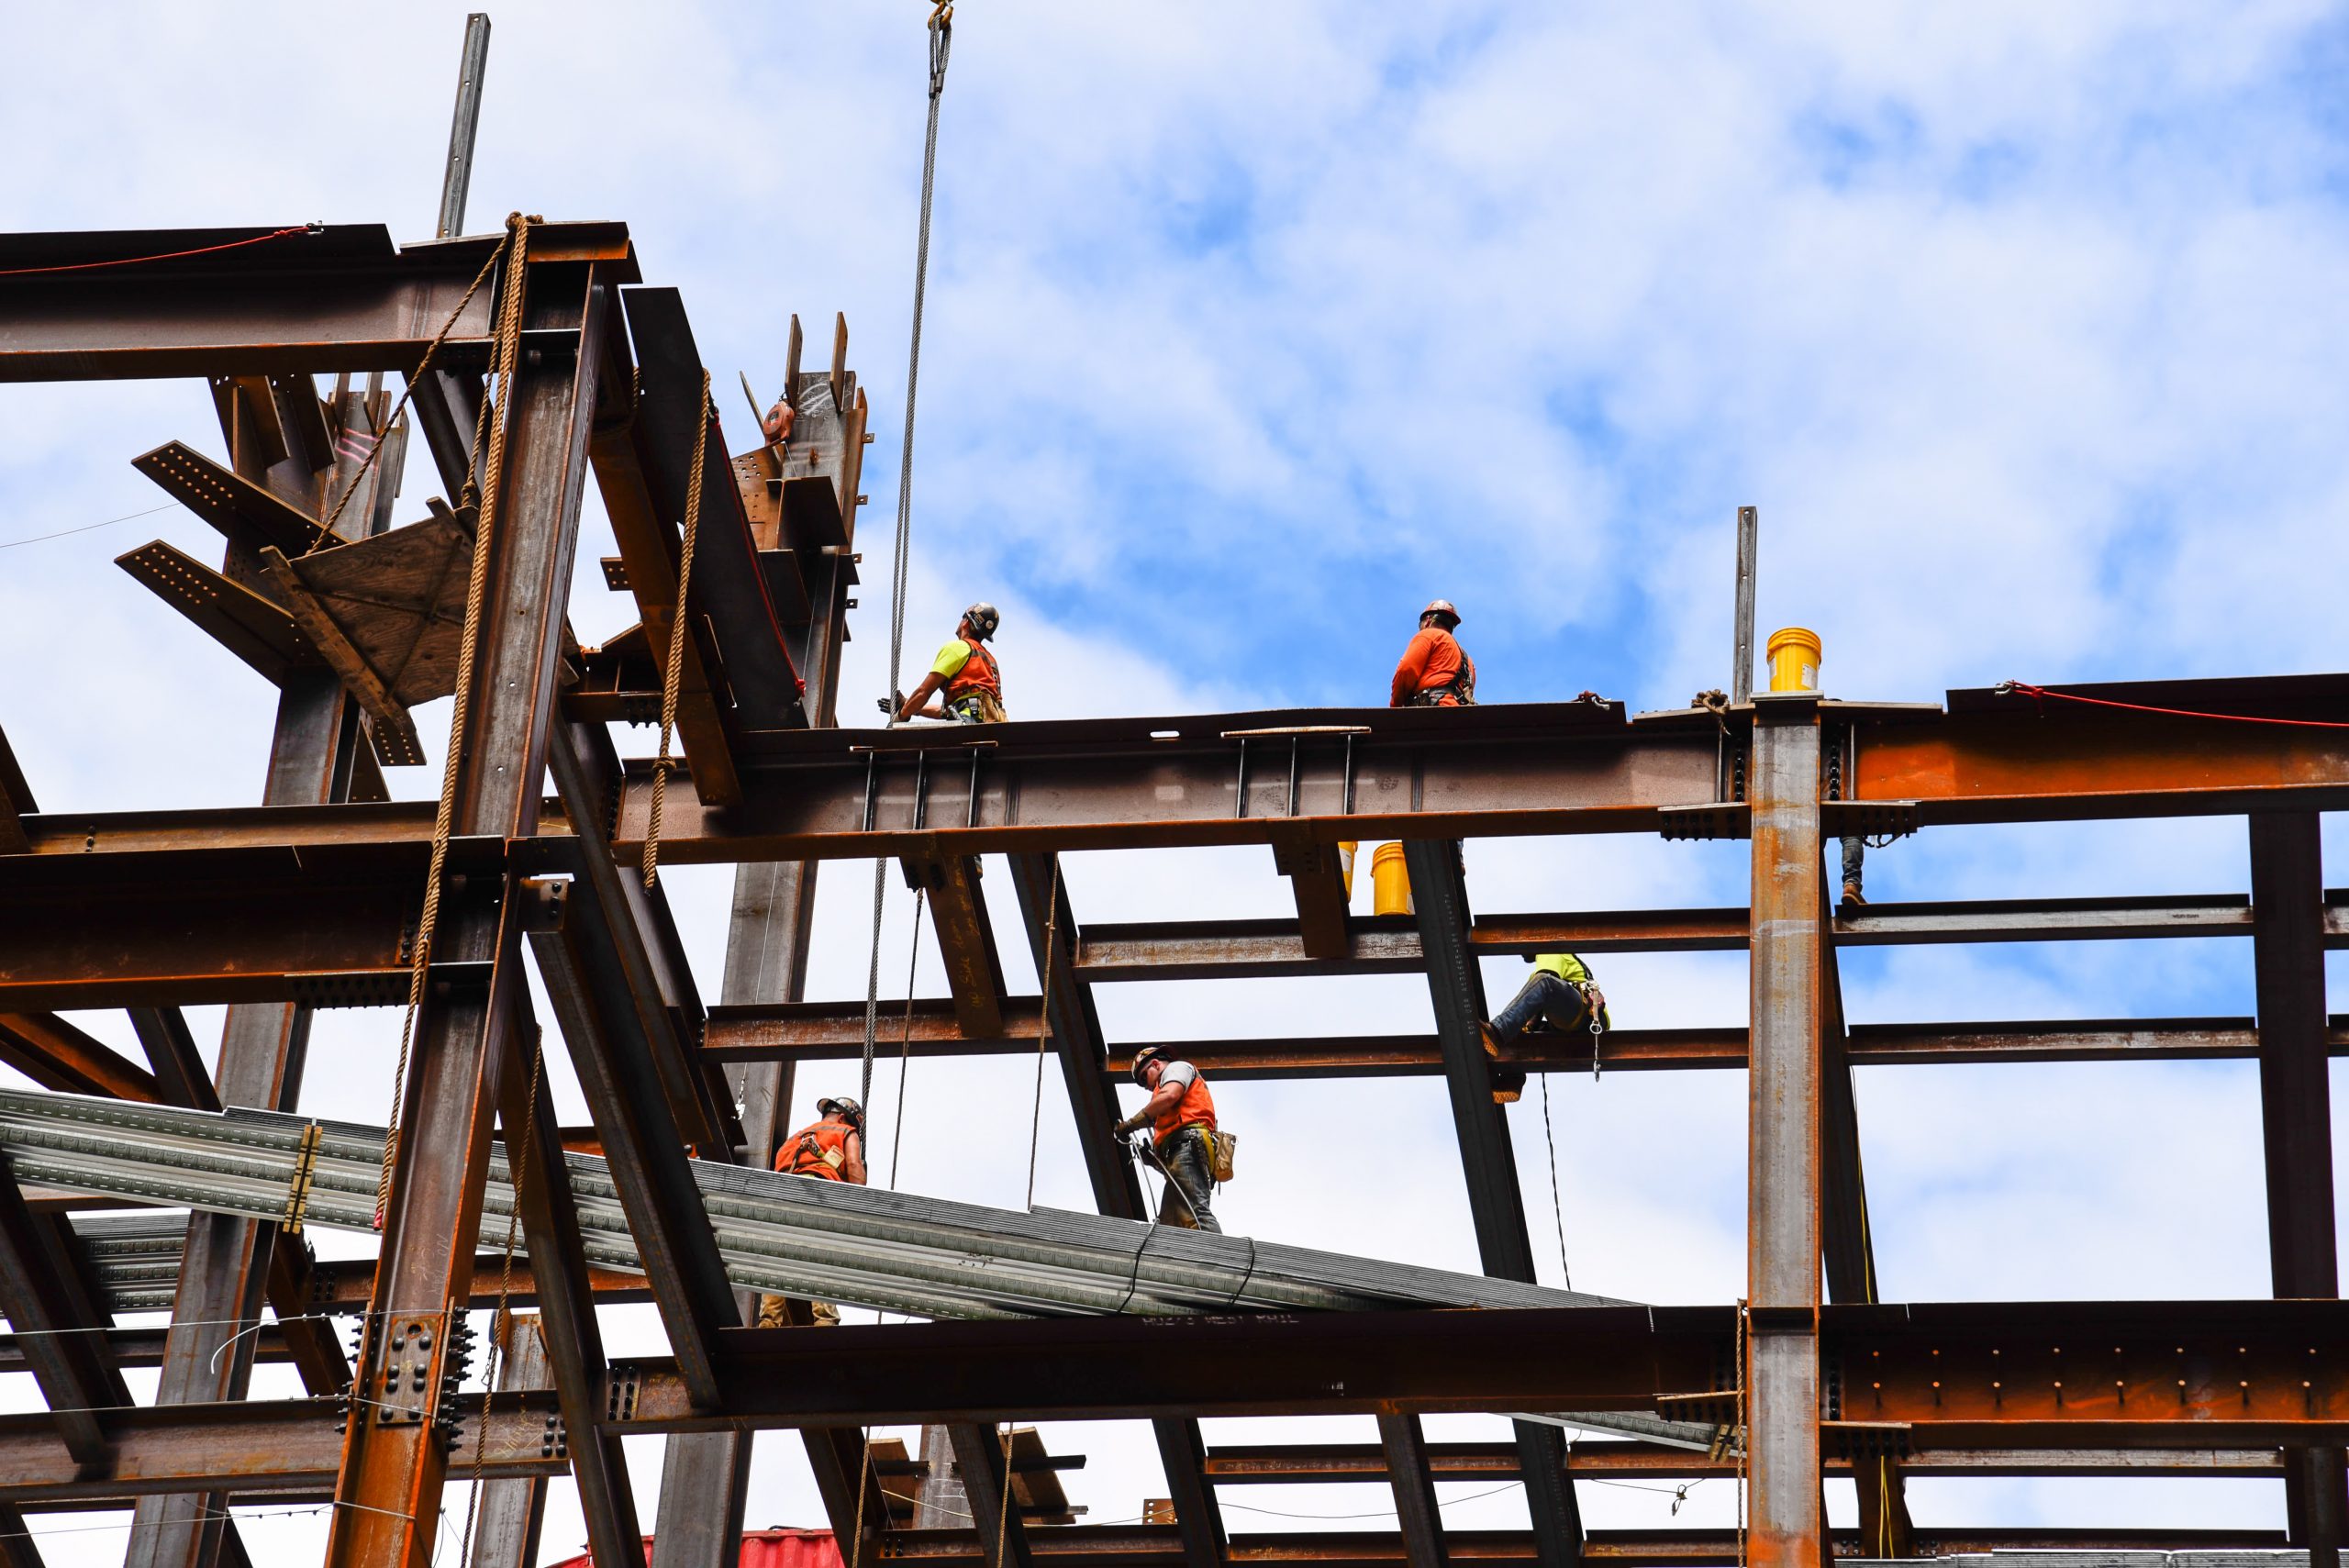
(966,671)
(830,1150)
(1560,991)
(1435,672)
(1180,1113)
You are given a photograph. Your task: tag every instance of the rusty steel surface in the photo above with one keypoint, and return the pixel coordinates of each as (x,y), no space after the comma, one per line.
(310,900)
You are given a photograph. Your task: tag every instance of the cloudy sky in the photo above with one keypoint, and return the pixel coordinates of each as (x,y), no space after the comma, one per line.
(1252,329)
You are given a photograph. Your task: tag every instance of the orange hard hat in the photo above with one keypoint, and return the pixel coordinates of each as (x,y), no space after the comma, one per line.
(1444,607)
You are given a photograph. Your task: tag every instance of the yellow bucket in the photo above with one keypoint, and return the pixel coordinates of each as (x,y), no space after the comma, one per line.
(1390,881)
(1346,867)
(1793,660)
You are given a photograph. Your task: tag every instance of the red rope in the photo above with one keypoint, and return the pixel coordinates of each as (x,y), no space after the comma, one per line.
(2041,692)
(168,255)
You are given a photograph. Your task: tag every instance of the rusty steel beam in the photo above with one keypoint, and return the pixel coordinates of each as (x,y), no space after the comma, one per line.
(2294,1103)
(571,1339)
(2006,757)
(255,1448)
(322,926)
(42,1295)
(395,1462)
(1054,936)
(58,1055)
(1105,783)
(2190,1375)
(1496,1203)
(1417,1518)
(512,1512)
(979,1460)
(833,1031)
(958,911)
(343,299)
(1296,1463)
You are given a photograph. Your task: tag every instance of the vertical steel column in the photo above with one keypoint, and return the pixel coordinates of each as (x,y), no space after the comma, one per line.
(506,1530)
(224,1271)
(2295,1106)
(458,178)
(706,1476)
(1416,1514)
(395,1458)
(1784,1198)
(1488,1161)
(1740,676)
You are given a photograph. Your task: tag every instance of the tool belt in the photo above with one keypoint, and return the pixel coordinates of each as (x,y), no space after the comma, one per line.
(977,707)
(1222,1149)
(1461,689)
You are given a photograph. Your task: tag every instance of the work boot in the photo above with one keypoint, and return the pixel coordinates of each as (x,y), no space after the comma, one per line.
(1851,894)
(1492,1041)
(1508,1087)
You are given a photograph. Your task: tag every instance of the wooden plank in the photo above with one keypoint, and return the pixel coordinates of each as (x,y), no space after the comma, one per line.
(396,742)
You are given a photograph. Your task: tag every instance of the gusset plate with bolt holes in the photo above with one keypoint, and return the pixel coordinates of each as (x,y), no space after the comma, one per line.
(1721,819)
(1869,818)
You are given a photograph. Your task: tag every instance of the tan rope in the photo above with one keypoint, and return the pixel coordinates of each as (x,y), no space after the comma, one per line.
(1744,1432)
(408,392)
(672,678)
(509,345)
(501,1322)
(864,1466)
(1003,1518)
(1044,1035)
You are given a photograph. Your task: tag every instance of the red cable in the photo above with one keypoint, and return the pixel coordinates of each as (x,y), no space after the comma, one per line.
(2037,692)
(166,256)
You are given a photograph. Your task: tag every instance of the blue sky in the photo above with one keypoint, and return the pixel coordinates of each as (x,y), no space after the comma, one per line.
(1252,329)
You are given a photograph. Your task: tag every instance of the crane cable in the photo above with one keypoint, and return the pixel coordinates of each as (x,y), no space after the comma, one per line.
(941,43)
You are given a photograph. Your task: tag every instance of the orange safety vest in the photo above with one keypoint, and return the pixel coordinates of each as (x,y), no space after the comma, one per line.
(978,673)
(818,1150)
(1196,1108)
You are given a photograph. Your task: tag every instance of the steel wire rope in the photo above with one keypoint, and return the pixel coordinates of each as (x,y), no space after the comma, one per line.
(941,38)
(672,678)
(85,528)
(905,1044)
(1557,1209)
(1045,1034)
(509,333)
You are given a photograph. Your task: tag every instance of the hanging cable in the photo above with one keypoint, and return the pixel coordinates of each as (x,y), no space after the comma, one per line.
(941,43)
(508,332)
(1044,1035)
(906,1045)
(1557,1208)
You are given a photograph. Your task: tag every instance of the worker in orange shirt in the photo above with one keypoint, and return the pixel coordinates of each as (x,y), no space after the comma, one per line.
(1180,1114)
(1435,672)
(830,1150)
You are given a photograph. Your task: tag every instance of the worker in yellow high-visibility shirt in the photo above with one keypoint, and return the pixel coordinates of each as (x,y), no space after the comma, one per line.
(1560,991)
(965,672)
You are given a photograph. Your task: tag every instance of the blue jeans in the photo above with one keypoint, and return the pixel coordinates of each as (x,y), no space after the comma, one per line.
(1855,850)
(1545,995)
